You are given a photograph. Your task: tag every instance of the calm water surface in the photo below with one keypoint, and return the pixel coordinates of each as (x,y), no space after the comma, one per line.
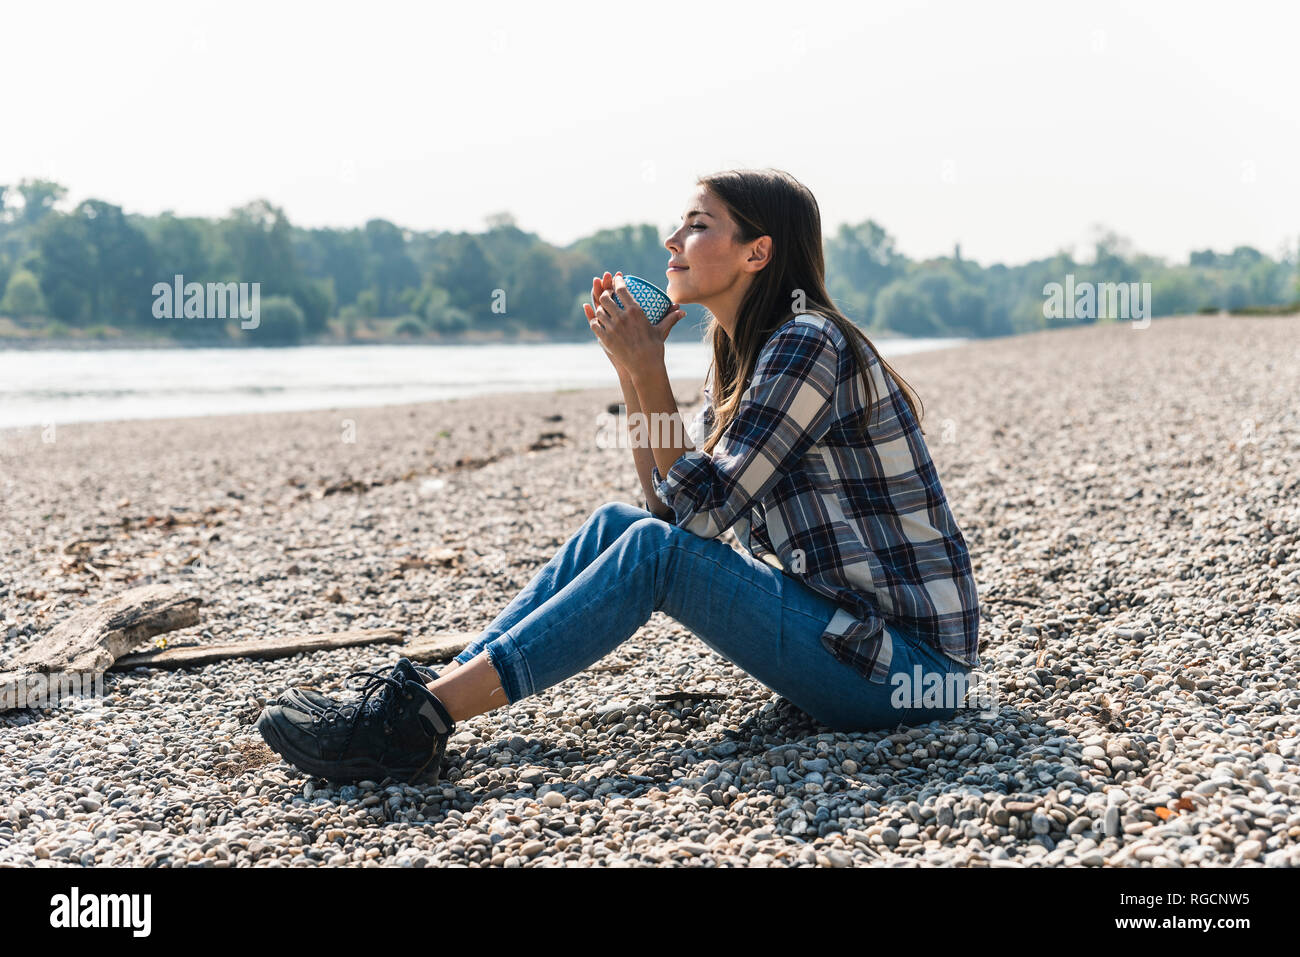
(62,386)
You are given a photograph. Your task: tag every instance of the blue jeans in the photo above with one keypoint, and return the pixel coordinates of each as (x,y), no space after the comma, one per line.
(624,564)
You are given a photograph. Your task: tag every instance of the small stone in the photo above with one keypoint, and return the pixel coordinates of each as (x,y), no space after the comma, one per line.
(1111,827)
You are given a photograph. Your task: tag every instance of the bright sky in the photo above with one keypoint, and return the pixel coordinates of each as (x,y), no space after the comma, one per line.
(1011,128)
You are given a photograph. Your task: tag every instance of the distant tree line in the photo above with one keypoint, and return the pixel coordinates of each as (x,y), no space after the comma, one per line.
(92,268)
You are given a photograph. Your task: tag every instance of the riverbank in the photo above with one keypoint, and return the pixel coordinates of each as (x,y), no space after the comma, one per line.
(1130,501)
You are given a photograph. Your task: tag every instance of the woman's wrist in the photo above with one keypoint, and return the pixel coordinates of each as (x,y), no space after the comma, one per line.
(648,377)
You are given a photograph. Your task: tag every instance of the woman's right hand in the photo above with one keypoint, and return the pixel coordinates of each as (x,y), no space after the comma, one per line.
(598,287)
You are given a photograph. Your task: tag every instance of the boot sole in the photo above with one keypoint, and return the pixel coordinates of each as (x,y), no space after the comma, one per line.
(351,769)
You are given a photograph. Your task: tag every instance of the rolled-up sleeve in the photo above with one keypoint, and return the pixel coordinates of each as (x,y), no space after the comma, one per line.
(787,408)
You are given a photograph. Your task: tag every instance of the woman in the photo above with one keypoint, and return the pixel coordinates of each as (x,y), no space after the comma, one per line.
(856,600)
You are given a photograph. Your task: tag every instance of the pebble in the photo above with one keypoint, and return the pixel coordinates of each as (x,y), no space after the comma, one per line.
(1111,824)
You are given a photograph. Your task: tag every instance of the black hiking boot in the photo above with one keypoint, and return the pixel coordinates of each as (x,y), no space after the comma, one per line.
(398,729)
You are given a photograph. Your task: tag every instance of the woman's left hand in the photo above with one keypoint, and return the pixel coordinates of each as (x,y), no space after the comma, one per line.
(625,332)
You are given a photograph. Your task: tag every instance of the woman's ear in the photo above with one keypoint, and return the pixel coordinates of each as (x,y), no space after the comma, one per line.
(760,254)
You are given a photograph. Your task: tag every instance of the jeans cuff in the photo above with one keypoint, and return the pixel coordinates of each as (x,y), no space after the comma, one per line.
(512,669)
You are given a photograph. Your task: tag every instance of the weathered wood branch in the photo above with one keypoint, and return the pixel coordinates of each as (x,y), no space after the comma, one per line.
(438,647)
(79,649)
(257,648)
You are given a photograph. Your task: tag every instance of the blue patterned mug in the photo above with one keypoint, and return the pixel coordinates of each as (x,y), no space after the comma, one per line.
(654,302)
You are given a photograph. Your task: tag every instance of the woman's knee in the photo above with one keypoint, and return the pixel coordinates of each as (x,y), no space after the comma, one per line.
(619,513)
(645,534)
(613,518)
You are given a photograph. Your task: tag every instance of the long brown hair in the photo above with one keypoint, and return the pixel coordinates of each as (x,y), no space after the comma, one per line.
(771,202)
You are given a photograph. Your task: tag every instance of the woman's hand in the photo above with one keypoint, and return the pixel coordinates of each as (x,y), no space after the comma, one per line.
(632,343)
(598,286)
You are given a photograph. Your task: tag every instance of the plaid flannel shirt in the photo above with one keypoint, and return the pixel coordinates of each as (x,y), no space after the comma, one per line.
(863,522)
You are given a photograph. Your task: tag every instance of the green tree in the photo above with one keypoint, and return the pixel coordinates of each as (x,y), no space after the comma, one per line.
(537,293)
(409,326)
(434,304)
(281,323)
(23,295)
(636,250)
(1178,292)
(933,300)
(183,246)
(120,284)
(259,246)
(1235,295)
(900,308)
(336,255)
(389,270)
(66,261)
(315,297)
(861,261)
(39,197)
(465,271)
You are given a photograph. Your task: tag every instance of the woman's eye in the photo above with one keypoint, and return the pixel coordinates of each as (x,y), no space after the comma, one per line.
(698,226)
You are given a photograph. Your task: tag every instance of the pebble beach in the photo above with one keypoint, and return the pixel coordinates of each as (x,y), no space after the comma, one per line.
(1130,497)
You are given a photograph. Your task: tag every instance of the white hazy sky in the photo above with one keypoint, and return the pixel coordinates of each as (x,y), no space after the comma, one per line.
(1011,128)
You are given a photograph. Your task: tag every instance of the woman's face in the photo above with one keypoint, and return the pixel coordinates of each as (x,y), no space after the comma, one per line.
(703,244)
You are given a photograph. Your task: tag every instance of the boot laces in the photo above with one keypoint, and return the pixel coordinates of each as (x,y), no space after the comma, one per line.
(384,706)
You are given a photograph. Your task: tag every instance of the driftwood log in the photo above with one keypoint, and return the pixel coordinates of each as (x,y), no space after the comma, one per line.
(191,655)
(438,647)
(78,650)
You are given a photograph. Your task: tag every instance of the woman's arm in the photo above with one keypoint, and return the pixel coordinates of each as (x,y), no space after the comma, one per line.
(660,404)
(642,455)
(787,408)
